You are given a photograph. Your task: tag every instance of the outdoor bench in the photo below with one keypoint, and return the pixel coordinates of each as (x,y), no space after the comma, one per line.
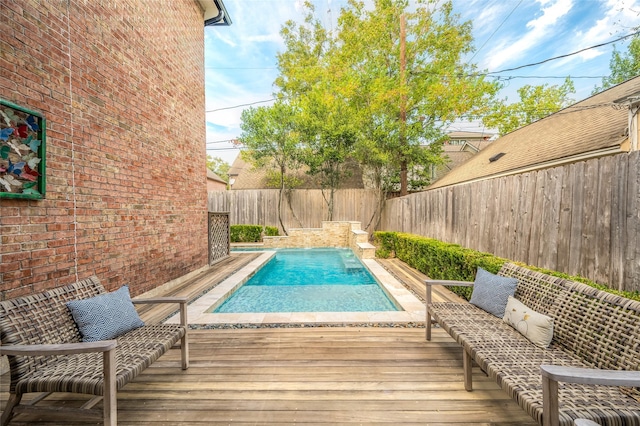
(594,333)
(47,353)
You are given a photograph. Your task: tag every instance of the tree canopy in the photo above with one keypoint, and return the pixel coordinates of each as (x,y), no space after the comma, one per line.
(536,102)
(623,66)
(271,138)
(219,167)
(382,87)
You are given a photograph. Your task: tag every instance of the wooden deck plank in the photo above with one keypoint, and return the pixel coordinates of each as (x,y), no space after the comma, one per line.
(314,375)
(196,286)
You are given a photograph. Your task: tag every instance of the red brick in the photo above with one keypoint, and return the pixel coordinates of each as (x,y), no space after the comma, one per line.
(137,221)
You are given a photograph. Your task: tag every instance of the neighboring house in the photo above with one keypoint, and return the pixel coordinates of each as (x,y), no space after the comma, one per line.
(475,139)
(244,175)
(215,182)
(460,147)
(121,86)
(594,127)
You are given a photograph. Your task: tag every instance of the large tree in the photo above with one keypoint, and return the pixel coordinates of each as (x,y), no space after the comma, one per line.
(623,65)
(310,80)
(270,139)
(410,78)
(398,71)
(328,137)
(535,102)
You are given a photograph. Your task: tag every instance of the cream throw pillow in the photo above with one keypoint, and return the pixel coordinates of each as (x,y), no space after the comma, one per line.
(534,326)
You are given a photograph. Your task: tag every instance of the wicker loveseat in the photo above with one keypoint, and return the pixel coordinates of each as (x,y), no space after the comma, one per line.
(46,352)
(593,332)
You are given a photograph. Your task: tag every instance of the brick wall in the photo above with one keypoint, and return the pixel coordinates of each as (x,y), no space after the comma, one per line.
(121,84)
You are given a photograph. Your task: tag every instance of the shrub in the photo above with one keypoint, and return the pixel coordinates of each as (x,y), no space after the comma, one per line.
(246,233)
(271,231)
(251,233)
(444,261)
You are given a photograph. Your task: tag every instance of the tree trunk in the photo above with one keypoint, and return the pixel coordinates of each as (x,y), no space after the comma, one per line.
(403,108)
(282,171)
(403,178)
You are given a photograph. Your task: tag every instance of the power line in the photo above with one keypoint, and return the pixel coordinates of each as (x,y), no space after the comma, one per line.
(243,68)
(504,78)
(221,141)
(494,33)
(561,56)
(489,74)
(510,77)
(241,105)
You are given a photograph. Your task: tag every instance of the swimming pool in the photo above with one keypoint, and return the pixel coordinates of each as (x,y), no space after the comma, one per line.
(200,309)
(310,280)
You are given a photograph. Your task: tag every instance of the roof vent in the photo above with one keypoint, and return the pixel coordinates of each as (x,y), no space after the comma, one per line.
(496,157)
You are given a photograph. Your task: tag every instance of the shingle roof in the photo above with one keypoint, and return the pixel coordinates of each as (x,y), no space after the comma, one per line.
(593,126)
(470,135)
(247,176)
(211,175)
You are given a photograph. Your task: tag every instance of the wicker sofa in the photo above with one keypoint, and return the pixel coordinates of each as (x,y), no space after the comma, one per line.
(46,352)
(593,332)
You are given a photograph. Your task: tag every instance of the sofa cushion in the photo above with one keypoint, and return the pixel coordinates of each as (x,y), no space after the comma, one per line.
(106,316)
(491,292)
(534,326)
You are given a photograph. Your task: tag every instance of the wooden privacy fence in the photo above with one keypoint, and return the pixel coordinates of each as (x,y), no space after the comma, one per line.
(581,219)
(307,209)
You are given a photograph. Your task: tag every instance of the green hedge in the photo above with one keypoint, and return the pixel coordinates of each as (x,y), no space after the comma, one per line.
(251,233)
(445,261)
(271,231)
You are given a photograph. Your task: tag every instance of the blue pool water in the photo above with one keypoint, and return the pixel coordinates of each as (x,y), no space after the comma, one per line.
(310,280)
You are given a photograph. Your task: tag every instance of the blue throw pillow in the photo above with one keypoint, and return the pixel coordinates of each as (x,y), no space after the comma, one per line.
(491,292)
(106,316)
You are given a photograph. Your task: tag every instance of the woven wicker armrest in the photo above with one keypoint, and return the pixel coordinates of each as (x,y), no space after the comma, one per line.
(58,349)
(552,374)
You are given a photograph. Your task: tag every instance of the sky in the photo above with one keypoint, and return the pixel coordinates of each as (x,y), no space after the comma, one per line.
(240,60)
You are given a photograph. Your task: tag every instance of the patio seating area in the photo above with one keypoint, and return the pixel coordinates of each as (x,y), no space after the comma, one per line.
(331,375)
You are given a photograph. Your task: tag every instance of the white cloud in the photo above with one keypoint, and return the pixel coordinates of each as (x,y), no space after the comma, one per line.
(539,30)
(619,19)
(272,38)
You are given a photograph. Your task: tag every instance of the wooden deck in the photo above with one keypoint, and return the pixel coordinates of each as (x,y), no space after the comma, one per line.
(312,375)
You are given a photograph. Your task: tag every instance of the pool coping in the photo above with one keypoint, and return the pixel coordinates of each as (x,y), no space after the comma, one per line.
(414,310)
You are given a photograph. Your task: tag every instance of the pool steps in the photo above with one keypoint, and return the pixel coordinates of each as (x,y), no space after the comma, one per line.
(350,262)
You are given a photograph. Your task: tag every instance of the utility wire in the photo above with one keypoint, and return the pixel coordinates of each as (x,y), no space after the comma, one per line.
(561,56)
(221,141)
(496,30)
(242,105)
(489,74)
(224,149)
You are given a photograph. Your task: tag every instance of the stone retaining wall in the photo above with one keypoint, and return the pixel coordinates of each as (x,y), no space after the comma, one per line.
(332,234)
